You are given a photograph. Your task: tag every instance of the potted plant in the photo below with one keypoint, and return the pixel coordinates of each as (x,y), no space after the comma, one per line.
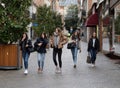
(14,19)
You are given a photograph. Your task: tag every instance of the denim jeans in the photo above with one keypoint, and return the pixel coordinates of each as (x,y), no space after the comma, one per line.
(93,55)
(74,54)
(41,58)
(25,56)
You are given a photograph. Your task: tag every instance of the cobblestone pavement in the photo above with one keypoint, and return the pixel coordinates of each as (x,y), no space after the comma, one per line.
(106,74)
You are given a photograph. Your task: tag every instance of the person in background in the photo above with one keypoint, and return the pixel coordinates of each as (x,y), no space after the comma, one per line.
(24,45)
(75,38)
(71,30)
(93,48)
(41,44)
(57,41)
(82,34)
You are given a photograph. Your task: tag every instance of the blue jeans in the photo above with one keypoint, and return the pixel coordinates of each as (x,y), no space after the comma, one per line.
(74,54)
(93,55)
(25,56)
(41,58)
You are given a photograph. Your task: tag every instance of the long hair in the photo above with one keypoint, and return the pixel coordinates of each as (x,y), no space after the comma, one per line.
(59,31)
(94,36)
(45,35)
(78,35)
(26,36)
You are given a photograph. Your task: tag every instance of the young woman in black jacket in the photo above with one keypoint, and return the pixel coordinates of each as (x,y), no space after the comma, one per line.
(40,47)
(24,45)
(93,48)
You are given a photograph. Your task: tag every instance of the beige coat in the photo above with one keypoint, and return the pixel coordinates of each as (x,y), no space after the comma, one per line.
(62,41)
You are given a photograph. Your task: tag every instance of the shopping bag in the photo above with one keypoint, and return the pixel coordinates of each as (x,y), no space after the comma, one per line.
(88,58)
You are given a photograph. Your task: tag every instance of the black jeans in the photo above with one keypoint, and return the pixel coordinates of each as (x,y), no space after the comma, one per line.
(59,52)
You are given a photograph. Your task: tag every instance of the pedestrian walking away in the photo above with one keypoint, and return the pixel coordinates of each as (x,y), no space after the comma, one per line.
(40,46)
(75,38)
(93,48)
(25,44)
(57,41)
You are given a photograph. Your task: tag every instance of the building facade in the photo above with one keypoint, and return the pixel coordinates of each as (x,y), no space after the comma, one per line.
(107,11)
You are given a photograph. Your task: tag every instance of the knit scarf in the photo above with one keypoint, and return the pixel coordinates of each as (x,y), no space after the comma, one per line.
(56,39)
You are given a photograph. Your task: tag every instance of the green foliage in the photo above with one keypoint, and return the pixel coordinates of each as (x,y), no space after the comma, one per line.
(117,25)
(14,19)
(47,20)
(72,17)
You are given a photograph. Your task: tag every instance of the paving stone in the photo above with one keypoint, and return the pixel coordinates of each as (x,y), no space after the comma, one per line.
(106,74)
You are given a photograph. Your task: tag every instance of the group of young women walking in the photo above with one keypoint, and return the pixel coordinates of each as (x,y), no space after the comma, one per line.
(56,41)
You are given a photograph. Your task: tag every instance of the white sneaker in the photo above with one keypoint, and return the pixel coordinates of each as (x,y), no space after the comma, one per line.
(57,69)
(26,72)
(93,65)
(60,70)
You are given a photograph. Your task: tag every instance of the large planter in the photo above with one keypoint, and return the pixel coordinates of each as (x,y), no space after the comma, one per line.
(10,56)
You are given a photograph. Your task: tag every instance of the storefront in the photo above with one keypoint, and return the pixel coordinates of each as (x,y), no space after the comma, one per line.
(115,38)
(107,27)
(92,21)
(108,20)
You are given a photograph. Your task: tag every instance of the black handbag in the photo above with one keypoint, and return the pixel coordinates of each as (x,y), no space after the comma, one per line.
(36,48)
(88,59)
(71,45)
(31,49)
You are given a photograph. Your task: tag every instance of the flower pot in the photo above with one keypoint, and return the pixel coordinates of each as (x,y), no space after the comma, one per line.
(10,56)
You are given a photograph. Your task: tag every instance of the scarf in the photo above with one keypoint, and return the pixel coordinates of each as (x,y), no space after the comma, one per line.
(56,39)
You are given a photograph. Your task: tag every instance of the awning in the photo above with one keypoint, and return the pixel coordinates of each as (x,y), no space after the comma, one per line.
(99,2)
(92,20)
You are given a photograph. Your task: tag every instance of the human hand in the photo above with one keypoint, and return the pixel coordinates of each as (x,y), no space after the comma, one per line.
(27,45)
(39,44)
(23,38)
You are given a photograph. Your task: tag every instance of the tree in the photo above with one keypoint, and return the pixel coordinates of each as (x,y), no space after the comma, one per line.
(72,17)
(14,19)
(117,25)
(47,20)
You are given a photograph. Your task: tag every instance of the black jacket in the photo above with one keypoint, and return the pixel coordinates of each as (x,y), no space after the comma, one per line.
(23,45)
(90,44)
(42,48)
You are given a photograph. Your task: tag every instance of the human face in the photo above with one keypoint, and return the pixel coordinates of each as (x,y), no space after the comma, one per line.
(94,34)
(56,30)
(24,35)
(76,33)
(43,35)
